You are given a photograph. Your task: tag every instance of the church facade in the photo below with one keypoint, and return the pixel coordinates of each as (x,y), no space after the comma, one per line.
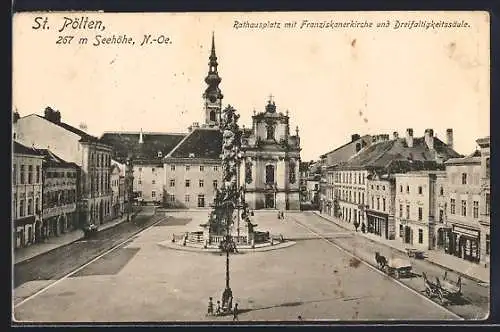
(270,169)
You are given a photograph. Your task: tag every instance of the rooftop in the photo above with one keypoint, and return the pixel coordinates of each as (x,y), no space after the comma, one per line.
(204,143)
(18,148)
(53,160)
(127,143)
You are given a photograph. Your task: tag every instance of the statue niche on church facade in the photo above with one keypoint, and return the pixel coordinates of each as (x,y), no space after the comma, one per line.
(292,177)
(248,172)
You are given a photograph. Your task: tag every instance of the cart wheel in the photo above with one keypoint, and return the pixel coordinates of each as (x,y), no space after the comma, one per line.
(387,270)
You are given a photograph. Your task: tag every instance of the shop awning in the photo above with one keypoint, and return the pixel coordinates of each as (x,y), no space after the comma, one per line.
(24,221)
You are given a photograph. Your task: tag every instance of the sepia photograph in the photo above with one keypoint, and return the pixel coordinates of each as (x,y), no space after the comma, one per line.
(250,167)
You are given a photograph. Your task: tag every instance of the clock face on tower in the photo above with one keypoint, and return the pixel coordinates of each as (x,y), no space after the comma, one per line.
(212,99)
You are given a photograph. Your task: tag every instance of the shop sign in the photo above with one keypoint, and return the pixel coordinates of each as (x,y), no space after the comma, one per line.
(465,231)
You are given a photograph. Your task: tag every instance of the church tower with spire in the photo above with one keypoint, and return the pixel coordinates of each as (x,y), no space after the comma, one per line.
(212,96)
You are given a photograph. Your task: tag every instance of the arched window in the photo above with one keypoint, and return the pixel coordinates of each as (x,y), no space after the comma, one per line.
(270,131)
(212,115)
(269,174)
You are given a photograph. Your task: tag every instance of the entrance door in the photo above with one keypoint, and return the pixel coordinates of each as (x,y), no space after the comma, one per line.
(270,201)
(201,200)
(407,234)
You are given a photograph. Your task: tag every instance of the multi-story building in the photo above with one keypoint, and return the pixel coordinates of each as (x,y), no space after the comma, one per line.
(27,195)
(381,158)
(270,171)
(192,169)
(116,205)
(146,150)
(330,161)
(415,207)
(464,194)
(60,195)
(73,145)
(381,193)
(484,204)
(304,175)
(441,225)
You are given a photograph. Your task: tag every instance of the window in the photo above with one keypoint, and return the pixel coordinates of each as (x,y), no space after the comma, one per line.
(400,210)
(140,169)
(378,203)
(172,183)
(30,174)
(475,209)
(420,213)
(377,187)
(188,167)
(202,168)
(487,241)
(401,188)
(38,180)
(401,230)
(407,189)
(14,174)
(186,199)
(201,200)
(407,212)
(373,205)
(383,204)
(215,184)
(487,207)
(160,154)
(464,178)
(363,198)
(216,168)
(372,186)
(452,206)
(420,191)
(153,181)
(171,198)
(441,191)
(269,174)
(172,167)
(30,207)
(487,162)
(201,183)
(139,181)
(441,215)
(188,183)
(153,194)
(464,208)
(420,236)
(21,208)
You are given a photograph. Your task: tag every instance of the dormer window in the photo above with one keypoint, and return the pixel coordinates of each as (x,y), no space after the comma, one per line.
(191,155)
(160,154)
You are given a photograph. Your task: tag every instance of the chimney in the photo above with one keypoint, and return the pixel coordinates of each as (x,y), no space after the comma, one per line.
(52,115)
(409,137)
(395,134)
(354,137)
(449,138)
(429,138)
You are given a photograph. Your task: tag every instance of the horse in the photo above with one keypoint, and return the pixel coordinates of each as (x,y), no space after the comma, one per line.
(381,260)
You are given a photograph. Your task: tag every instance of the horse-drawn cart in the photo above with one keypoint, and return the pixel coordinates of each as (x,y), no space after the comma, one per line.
(397,267)
(444,290)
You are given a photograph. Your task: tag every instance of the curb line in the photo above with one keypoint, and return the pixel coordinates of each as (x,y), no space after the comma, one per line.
(404,252)
(65,244)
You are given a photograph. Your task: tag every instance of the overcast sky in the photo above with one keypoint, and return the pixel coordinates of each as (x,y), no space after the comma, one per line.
(334,82)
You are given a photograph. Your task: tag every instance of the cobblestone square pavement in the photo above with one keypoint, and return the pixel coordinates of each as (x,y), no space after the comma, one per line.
(145,282)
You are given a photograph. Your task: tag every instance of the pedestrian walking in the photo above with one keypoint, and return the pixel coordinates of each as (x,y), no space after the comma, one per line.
(279,215)
(282,214)
(217,310)
(210,307)
(235,312)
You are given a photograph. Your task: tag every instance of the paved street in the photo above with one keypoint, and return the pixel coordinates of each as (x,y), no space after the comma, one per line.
(42,270)
(143,281)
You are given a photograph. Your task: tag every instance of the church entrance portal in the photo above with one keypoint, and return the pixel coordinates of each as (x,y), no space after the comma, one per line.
(269,201)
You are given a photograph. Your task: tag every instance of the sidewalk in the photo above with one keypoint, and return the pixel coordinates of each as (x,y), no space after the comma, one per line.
(24,254)
(470,270)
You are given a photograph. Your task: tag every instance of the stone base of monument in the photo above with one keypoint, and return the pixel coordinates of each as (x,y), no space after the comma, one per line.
(198,241)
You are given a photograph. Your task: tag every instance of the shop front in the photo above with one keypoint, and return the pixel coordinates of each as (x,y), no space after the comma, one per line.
(463,242)
(378,223)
